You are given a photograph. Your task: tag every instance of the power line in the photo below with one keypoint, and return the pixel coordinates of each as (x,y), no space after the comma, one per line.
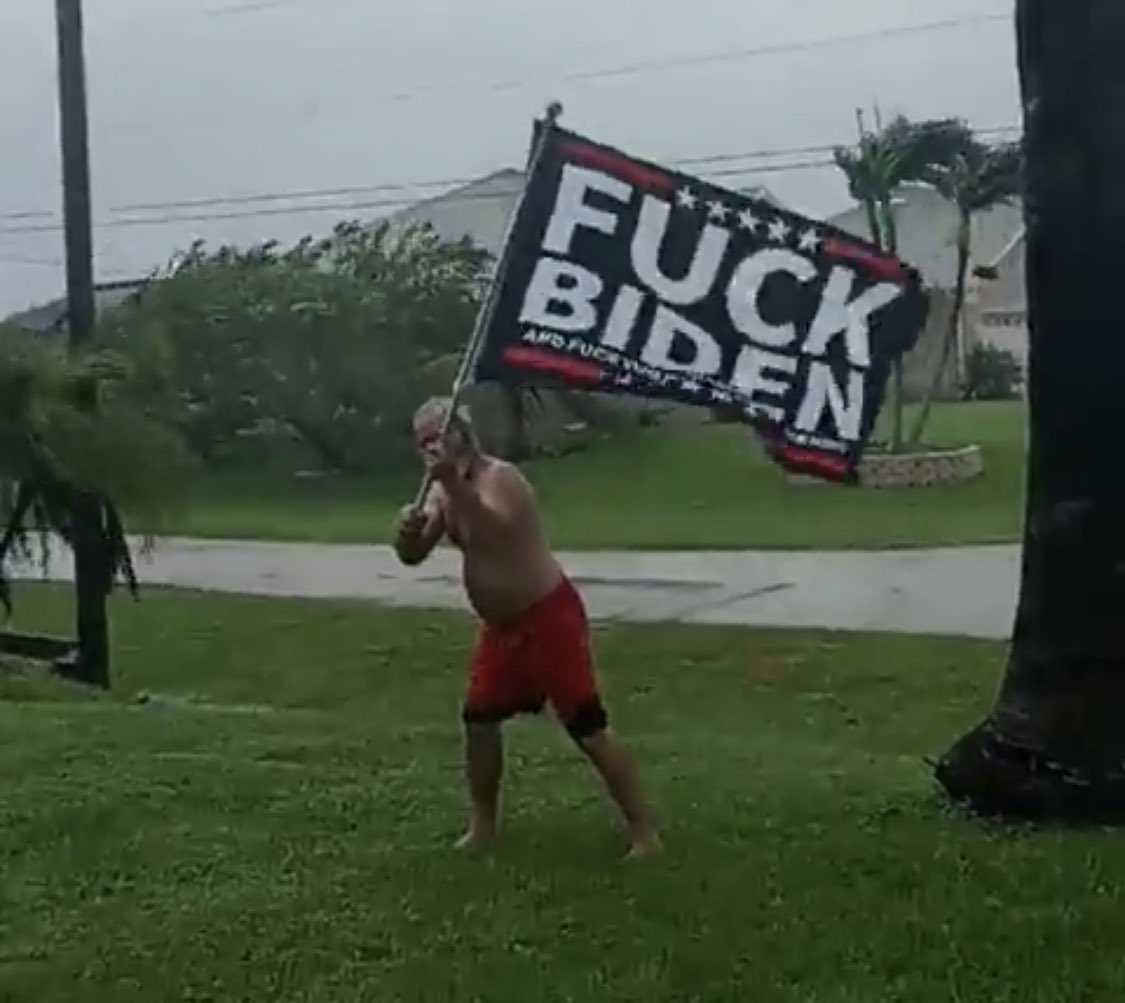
(630,69)
(247,8)
(28,214)
(699,59)
(386,203)
(782,47)
(666,62)
(253,7)
(716,158)
(400,186)
(14,259)
(443,183)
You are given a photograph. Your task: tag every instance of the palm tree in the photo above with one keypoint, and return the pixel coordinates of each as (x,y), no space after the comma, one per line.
(876,169)
(52,448)
(873,173)
(1053,747)
(977,178)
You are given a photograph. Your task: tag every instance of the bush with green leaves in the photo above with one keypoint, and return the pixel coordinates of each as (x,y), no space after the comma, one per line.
(325,343)
(991,374)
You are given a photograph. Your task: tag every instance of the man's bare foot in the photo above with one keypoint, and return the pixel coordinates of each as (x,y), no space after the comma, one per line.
(644,846)
(476,840)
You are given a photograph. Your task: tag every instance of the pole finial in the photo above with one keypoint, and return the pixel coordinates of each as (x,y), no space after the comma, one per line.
(554,111)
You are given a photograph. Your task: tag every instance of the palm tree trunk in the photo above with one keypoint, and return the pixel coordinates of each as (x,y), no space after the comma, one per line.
(950,341)
(15,528)
(890,244)
(898,414)
(1054,745)
(873,223)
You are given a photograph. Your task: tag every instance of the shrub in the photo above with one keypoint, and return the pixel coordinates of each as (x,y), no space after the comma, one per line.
(991,374)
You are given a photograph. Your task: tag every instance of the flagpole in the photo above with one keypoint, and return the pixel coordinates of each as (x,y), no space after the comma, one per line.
(488,307)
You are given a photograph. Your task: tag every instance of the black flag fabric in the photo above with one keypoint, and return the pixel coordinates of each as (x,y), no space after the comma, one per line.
(623,277)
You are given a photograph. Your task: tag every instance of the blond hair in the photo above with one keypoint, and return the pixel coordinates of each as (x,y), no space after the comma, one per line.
(437,409)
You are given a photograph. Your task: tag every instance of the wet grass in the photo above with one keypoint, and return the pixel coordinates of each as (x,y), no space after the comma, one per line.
(274,822)
(681,487)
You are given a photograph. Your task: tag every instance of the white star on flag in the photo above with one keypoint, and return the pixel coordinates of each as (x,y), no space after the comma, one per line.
(779,230)
(748,221)
(809,240)
(686,198)
(717,212)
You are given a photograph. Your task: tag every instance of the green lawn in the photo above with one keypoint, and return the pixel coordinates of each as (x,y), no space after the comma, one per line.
(284,836)
(668,488)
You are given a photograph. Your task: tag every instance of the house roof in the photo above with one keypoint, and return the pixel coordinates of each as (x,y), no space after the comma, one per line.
(480,209)
(1015,245)
(761,193)
(927,233)
(1002,292)
(51,318)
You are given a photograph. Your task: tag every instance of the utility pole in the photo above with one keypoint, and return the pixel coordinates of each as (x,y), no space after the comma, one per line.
(90,559)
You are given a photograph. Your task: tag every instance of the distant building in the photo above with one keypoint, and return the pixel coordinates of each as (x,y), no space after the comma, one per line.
(927,232)
(997,313)
(51,318)
(995,310)
(761,193)
(480,210)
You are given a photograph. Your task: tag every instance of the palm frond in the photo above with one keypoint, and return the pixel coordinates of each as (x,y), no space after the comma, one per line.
(53,448)
(979,177)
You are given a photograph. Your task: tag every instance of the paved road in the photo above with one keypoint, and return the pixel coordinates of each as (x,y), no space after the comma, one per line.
(966,591)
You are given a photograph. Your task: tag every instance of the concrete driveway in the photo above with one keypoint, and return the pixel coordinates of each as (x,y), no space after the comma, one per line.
(966,591)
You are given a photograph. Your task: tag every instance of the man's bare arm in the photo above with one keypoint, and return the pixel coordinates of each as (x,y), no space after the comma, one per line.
(419,533)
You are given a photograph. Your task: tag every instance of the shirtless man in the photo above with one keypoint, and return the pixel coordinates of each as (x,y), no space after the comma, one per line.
(534,644)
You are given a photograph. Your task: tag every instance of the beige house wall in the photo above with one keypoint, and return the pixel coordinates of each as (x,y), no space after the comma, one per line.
(998,314)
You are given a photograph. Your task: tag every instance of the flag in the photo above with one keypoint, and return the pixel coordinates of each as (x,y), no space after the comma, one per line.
(624,277)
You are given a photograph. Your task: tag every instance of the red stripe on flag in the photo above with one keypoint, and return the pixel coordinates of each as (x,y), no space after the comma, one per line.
(887,268)
(799,459)
(815,462)
(575,370)
(638,175)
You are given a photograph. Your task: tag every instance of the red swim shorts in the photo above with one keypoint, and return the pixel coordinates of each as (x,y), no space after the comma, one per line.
(544,656)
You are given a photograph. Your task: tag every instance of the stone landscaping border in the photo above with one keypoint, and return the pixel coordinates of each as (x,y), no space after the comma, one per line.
(933,468)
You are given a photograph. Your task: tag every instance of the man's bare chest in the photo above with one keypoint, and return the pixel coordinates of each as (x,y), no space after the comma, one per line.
(455,530)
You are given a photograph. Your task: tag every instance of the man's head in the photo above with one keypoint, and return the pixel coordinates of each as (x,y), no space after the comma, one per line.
(460,436)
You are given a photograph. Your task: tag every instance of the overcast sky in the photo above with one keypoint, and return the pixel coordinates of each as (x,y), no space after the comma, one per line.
(194,99)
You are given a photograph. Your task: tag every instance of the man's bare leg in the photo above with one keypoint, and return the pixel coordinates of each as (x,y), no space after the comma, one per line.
(615,764)
(484,764)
